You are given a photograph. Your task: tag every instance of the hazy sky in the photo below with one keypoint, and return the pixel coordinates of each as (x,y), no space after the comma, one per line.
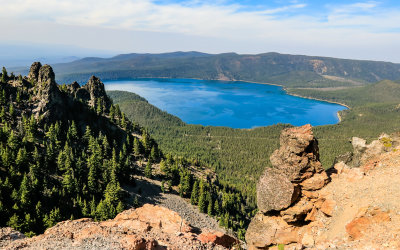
(341,28)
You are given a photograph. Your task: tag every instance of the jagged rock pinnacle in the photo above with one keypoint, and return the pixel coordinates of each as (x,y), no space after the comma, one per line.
(48,93)
(34,71)
(96,91)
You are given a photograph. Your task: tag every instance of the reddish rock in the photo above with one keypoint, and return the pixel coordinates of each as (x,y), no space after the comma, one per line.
(218,238)
(297,212)
(297,160)
(316,182)
(311,215)
(154,216)
(148,227)
(310,194)
(328,206)
(364,220)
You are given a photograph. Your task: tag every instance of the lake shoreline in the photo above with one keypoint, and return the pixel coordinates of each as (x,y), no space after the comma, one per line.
(243,81)
(285,89)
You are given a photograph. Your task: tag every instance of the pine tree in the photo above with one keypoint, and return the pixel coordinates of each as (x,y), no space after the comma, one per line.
(148,172)
(93,208)
(99,105)
(18,98)
(120,207)
(85,209)
(68,182)
(154,155)
(12,141)
(216,208)
(163,186)
(88,134)
(202,203)
(4,75)
(137,147)
(72,134)
(112,112)
(210,207)
(25,191)
(14,222)
(123,121)
(112,191)
(51,219)
(22,158)
(194,198)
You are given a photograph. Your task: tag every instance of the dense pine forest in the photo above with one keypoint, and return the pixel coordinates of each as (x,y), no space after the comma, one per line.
(66,151)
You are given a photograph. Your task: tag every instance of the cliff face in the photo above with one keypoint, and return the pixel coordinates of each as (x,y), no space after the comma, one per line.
(147,227)
(51,103)
(355,209)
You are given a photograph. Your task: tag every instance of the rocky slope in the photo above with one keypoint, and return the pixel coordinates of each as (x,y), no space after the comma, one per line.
(147,227)
(357,209)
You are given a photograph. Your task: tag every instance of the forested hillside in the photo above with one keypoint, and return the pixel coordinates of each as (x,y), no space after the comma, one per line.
(282,69)
(239,155)
(67,151)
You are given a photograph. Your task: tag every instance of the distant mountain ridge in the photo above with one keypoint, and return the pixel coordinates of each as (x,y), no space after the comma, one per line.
(284,69)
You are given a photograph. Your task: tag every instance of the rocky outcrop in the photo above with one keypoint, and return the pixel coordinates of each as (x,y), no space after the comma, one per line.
(357,209)
(363,152)
(91,93)
(286,193)
(34,71)
(97,92)
(51,102)
(295,166)
(8,235)
(48,97)
(147,227)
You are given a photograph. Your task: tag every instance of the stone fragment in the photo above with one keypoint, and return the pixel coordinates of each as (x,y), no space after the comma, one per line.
(311,215)
(297,212)
(218,238)
(316,182)
(328,206)
(275,191)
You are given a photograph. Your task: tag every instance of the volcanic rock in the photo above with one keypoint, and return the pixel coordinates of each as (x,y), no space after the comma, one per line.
(48,95)
(294,162)
(286,193)
(148,227)
(96,91)
(218,238)
(34,71)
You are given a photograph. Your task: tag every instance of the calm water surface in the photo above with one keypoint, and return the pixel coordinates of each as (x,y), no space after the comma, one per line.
(231,104)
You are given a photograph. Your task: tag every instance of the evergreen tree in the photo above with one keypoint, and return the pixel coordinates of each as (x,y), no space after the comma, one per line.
(194,198)
(148,172)
(14,222)
(137,147)
(99,106)
(120,207)
(154,154)
(72,134)
(4,75)
(217,210)
(51,219)
(25,191)
(210,207)
(202,203)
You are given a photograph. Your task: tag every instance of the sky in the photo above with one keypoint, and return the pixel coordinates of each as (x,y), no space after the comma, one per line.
(342,28)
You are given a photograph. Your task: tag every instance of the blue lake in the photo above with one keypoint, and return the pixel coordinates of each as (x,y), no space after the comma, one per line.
(230,104)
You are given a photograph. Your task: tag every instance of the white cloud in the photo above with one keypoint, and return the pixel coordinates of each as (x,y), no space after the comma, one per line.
(353,27)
